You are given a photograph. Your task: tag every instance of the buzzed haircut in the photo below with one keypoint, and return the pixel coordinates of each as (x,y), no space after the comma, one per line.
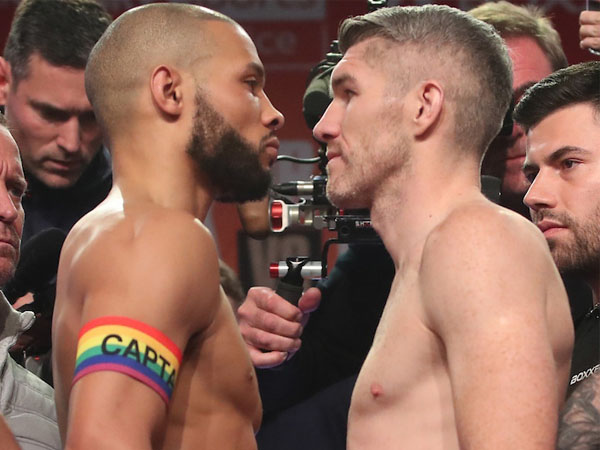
(572,85)
(524,21)
(135,43)
(62,32)
(465,54)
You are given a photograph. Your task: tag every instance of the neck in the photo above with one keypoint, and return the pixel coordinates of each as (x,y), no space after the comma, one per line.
(408,207)
(159,171)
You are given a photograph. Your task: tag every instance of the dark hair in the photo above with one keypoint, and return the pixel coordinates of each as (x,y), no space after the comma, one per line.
(466,53)
(514,21)
(63,32)
(579,83)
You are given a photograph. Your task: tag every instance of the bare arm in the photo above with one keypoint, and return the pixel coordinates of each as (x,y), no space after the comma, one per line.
(589,29)
(579,427)
(484,285)
(164,276)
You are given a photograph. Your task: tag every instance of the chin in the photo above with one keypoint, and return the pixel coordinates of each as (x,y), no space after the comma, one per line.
(57,182)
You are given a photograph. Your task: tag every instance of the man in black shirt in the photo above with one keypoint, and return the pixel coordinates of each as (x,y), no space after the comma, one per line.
(560,115)
(42,90)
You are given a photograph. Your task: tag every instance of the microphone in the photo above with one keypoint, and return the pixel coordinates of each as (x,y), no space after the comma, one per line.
(38,264)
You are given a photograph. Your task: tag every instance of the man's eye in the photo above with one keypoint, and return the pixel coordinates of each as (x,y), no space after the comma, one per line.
(569,163)
(253,83)
(349,93)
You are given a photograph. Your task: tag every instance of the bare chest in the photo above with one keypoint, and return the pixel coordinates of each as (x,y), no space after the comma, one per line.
(216,397)
(403,392)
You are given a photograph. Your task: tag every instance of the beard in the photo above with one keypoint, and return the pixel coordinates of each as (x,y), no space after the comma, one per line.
(373,163)
(230,162)
(581,255)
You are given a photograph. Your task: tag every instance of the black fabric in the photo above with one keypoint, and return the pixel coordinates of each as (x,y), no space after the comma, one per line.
(586,350)
(586,353)
(62,208)
(319,423)
(339,334)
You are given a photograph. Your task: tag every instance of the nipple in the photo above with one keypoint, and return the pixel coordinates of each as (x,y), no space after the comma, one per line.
(376,390)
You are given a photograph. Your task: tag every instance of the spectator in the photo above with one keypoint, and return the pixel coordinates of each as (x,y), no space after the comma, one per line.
(535,50)
(561,117)
(42,90)
(26,402)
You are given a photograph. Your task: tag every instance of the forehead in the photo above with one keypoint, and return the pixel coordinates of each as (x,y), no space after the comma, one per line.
(231,45)
(358,63)
(67,85)
(530,63)
(572,126)
(9,152)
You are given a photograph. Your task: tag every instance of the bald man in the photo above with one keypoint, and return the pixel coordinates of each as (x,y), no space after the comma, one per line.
(149,353)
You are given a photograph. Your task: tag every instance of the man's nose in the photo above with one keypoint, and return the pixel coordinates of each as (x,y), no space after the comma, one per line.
(69,135)
(328,127)
(272,118)
(540,194)
(9,209)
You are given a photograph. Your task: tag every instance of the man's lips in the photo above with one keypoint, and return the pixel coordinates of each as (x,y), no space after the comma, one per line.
(332,154)
(9,241)
(549,226)
(515,157)
(64,166)
(271,147)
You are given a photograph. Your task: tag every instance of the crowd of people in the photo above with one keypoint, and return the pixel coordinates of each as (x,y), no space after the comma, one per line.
(474,325)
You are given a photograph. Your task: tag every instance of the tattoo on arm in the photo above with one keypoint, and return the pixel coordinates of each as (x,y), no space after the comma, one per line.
(579,425)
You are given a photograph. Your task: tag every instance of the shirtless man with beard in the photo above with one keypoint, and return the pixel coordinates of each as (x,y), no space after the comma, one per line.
(148,353)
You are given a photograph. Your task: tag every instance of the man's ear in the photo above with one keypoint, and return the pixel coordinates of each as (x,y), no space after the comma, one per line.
(429,103)
(167,92)
(5,80)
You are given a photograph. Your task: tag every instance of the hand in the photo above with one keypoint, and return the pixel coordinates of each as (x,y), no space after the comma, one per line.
(589,30)
(269,322)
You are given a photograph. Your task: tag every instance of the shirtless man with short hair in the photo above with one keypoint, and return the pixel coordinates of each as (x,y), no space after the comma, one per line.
(473,348)
(148,350)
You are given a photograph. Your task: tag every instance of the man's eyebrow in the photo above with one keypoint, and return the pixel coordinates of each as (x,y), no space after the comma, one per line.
(339,80)
(559,153)
(555,156)
(51,109)
(258,69)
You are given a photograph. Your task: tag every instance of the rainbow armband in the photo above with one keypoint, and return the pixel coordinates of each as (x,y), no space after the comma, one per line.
(124,345)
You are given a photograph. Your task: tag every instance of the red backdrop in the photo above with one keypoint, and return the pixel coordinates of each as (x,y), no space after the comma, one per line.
(291,37)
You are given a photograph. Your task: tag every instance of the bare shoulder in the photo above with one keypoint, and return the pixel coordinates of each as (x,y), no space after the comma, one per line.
(487,254)
(158,262)
(483,232)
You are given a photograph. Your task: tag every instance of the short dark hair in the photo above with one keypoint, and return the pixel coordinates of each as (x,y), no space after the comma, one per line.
(454,43)
(579,83)
(63,32)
